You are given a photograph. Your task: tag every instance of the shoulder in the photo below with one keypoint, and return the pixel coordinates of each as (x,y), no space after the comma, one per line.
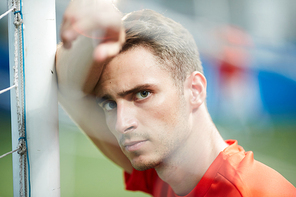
(253,178)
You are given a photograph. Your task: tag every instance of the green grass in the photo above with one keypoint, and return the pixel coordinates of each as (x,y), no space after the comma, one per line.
(86,172)
(6,162)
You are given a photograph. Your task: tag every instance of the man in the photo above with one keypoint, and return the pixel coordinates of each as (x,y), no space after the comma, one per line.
(140,96)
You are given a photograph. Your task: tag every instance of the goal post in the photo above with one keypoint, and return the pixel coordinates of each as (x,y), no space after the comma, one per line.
(40,98)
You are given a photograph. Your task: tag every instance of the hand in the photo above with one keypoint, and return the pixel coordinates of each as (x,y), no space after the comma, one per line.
(97,19)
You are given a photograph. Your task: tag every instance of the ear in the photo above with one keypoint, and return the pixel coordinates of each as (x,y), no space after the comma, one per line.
(197,85)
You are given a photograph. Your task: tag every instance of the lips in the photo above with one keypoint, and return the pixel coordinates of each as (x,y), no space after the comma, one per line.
(134,145)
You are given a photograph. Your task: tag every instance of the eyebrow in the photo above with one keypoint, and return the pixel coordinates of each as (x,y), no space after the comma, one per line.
(126,92)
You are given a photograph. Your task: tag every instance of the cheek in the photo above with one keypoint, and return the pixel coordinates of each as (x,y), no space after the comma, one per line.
(163,112)
(167,114)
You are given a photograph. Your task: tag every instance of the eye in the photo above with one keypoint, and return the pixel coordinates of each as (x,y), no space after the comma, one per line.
(109,105)
(142,95)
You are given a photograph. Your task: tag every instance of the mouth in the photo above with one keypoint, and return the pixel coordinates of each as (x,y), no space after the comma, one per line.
(134,145)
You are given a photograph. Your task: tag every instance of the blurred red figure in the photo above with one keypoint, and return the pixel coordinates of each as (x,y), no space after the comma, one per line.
(237,85)
(234,56)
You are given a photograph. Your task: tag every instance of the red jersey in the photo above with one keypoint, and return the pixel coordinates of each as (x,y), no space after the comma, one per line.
(233,173)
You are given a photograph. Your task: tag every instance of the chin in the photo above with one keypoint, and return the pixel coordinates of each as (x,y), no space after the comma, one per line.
(141,165)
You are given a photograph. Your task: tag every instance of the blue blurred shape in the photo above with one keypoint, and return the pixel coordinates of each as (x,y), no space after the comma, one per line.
(4,76)
(278,93)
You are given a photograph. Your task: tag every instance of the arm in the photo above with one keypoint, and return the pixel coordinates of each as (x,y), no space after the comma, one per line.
(79,66)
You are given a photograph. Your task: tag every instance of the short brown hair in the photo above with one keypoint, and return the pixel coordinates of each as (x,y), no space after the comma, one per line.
(171,44)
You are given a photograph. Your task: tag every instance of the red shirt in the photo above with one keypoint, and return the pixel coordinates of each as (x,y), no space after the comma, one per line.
(233,173)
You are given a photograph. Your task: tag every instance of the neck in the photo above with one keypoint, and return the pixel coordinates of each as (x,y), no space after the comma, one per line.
(185,169)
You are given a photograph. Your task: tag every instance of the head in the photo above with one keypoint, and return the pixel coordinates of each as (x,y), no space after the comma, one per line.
(171,44)
(139,89)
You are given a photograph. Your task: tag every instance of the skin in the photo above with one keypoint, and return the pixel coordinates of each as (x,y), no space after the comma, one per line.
(138,99)
(151,124)
(155,126)
(179,138)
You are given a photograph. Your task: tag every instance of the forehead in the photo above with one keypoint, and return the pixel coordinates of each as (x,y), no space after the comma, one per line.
(132,68)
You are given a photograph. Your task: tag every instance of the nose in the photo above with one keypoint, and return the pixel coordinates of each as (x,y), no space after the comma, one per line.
(126,120)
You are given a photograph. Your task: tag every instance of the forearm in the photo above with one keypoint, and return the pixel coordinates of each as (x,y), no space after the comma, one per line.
(90,118)
(73,66)
(79,64)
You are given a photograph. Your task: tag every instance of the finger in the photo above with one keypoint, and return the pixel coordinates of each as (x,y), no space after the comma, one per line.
(105,22)
(111,47)
(106,50)
(122,35)
(98,15)
(67,32)
(68,37)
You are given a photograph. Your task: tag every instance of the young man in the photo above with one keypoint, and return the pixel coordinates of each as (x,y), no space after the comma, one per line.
(140,96)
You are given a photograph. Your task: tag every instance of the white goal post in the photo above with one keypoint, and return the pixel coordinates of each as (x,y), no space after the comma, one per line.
(41,104)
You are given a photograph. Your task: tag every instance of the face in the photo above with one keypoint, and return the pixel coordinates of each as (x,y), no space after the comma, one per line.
(143,108)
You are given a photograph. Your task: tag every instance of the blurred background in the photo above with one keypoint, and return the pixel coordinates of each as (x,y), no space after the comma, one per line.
(248,50)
